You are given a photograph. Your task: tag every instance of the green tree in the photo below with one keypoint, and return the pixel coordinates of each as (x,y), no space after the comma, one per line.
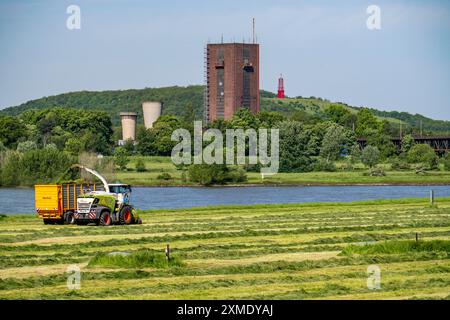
(304,117)
(336,113)
(407,143)
(370,156)
(209,174)
(59,124)
(447,161)
(268,120)
(205,174)
(334,142)
(244,119)
(121,158)
(51,146)
(382,141)
(188,115)
(355,153)
(220,124)
(320,129)
(424,154)
(44,165)
(10,168)
(146,142)
(162,130)
(26,146)
(366,120)
(129,146)
(349,121)
(74,146)
(59,137)
(34,166)
(11,130)
(296,147)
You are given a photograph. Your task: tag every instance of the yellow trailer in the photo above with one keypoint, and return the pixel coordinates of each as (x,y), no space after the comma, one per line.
(57,203)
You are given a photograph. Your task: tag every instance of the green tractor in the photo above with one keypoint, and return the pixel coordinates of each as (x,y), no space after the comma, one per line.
(111,206)
(107,207)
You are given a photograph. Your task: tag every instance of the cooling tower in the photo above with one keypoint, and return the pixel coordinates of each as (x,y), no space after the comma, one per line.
(128,125)
(151,111)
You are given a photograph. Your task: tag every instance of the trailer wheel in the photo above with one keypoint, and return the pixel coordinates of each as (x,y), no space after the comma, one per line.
(69,218)
(47,221)
(105,219)
(126,216)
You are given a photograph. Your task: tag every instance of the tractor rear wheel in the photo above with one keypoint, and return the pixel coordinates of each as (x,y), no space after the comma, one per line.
(126,216)
(105,219)
(69,218)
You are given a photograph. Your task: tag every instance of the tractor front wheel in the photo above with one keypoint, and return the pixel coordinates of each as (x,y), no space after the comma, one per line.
(105,219)
(126,216)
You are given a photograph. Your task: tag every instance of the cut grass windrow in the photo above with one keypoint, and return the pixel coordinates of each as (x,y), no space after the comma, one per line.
(305,251)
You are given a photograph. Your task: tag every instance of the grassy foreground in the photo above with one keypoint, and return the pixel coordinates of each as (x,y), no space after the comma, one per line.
(307,251)
(158,165)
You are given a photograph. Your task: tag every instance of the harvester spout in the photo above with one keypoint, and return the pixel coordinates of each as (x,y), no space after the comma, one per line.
(95,173)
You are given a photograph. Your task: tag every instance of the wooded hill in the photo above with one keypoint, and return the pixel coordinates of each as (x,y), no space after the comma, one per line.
(181,100)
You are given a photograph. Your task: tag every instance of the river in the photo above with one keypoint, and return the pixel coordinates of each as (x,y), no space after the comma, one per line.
(19,201)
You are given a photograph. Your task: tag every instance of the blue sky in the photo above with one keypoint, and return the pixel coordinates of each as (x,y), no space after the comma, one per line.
(323,48)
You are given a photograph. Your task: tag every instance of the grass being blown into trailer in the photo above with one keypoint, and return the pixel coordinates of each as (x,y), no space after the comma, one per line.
(290,251)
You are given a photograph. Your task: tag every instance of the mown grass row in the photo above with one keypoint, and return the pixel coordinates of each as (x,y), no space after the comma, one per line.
(178,269)
(231,251)
(135,284)
(269,251)
(228,222)
(342,221)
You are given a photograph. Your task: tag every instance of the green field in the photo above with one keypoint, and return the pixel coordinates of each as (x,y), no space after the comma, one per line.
(158,165)
(308,251)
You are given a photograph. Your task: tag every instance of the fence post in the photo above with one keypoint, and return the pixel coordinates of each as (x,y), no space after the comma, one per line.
(432,197)
(168,252)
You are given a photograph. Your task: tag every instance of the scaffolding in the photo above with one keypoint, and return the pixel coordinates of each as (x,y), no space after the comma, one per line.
(206,83)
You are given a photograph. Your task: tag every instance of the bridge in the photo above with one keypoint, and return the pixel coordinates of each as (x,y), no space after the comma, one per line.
(440,144)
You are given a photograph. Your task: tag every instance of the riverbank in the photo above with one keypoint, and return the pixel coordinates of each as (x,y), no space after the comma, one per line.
(160,172)
(160,168)
(150,179)
(290,251)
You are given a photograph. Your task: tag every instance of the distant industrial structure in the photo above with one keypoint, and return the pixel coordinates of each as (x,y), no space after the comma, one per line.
(232,79)
(151,111)
(441,145)
(281,87)
(128,120)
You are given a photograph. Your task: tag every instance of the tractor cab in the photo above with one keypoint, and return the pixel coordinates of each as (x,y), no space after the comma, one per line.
(122,193)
